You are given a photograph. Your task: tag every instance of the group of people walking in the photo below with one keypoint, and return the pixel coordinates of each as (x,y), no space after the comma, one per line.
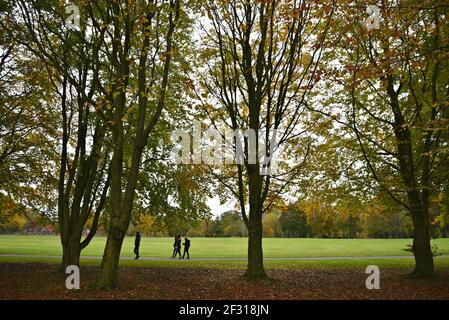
(176,247)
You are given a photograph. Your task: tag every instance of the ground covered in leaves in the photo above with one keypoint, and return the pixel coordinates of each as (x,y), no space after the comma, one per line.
(40,281)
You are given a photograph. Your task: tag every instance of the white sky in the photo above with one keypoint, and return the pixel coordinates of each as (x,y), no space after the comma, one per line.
(216,208)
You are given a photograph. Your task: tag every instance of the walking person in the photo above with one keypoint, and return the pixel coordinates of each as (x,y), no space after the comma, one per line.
(137,246)
(175,247)
(186,245)
(178,246)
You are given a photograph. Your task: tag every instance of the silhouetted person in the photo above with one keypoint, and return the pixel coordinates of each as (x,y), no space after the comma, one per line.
(186,247)
(175,247)
(137,245)
(178,246)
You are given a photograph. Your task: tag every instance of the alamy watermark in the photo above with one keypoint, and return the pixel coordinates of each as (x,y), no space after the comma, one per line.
(373,280)
(373,20)
(73,20)
(73,280)
(237,146)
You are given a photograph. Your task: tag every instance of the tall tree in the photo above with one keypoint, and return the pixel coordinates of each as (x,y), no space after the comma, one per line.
(140,47)
(71,59)
(394,104)
(261,58)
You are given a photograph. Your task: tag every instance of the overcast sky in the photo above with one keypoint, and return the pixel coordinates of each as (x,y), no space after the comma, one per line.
(216,208)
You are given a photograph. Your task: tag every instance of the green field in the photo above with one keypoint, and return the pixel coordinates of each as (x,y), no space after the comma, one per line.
(229,248)
(223,247)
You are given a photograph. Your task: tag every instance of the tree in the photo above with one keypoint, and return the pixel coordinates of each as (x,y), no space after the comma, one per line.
(11,215)
(261,64)
(232,223)
(146,225)
(174,195)
(321,218)
(27,133)
(393,103)
(119,89)
(442,220)
(349,212)
(136,32)
(294,223)
(71,60)
(271,225)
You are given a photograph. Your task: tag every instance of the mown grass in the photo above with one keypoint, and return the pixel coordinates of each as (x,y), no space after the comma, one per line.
(440,262)
(223,247)
(229,248)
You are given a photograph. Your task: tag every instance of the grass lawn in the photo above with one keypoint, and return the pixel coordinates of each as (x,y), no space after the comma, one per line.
(229,248)
(223,247)
(406,263)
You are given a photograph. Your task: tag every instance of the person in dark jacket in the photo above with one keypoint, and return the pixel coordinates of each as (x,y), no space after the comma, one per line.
(175,246)
(186,245)
(178,246)
(137,245)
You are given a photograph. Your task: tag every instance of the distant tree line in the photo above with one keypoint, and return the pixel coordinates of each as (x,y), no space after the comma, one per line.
(318,220)
(301,220)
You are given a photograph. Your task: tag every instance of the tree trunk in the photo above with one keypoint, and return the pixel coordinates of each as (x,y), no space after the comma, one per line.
(422,250)
(121,199)
(108,277)
(70,254)
(418,201)
(255,267)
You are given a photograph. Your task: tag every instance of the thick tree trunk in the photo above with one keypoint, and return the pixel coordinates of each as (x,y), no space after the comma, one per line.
(108,278)
(70,254)
(255,268)
(422,250)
